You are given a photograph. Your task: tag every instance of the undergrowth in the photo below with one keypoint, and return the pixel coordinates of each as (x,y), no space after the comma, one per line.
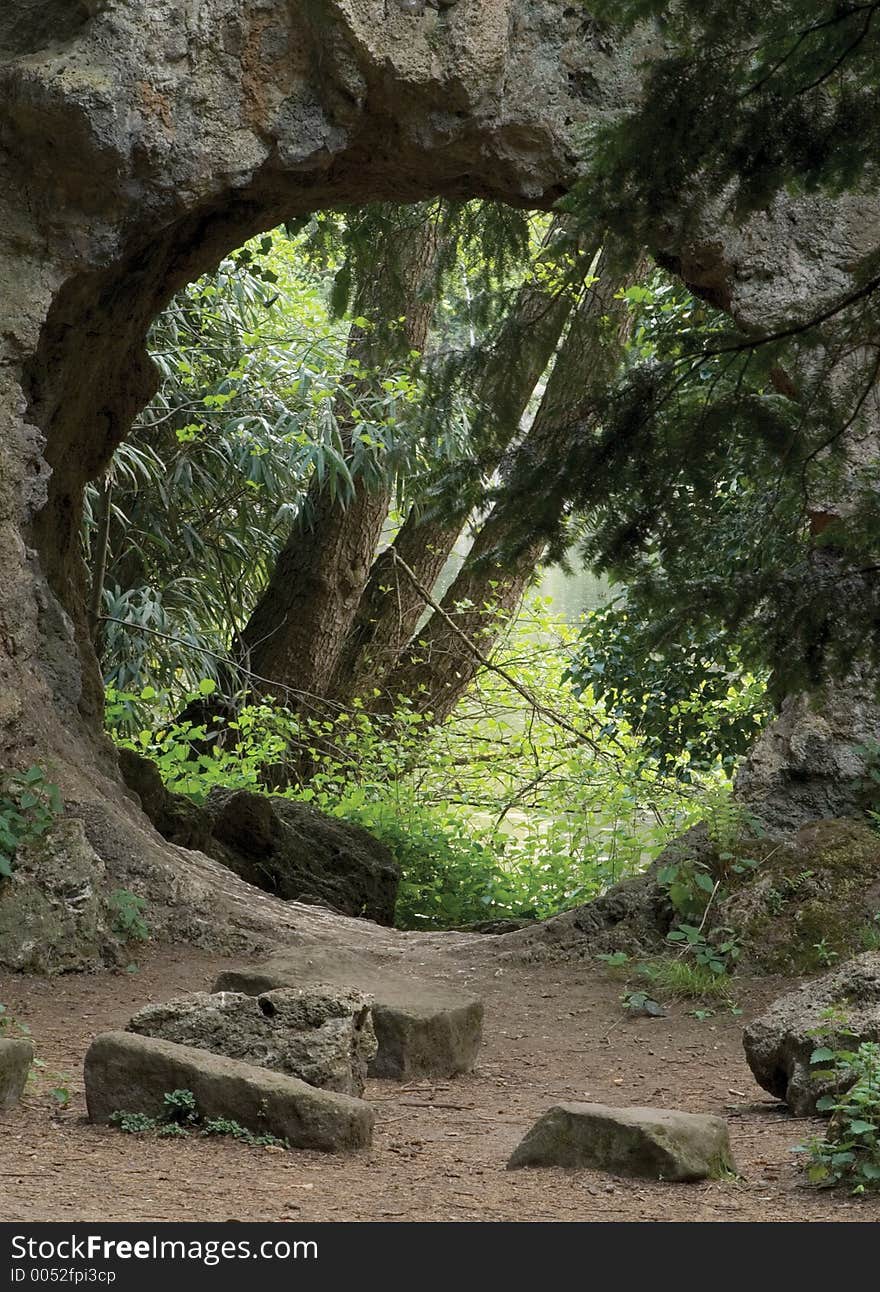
(502,811)
(849,1153)
(180,1117)
(682,980)
(29,805)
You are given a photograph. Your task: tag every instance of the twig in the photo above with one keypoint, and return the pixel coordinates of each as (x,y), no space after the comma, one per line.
(521,689)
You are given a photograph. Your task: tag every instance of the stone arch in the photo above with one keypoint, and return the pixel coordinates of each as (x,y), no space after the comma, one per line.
(142,140)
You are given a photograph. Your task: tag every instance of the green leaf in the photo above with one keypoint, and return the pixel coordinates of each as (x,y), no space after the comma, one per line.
(859,1127)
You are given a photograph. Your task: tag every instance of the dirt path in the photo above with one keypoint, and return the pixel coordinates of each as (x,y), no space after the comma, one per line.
(553,1033)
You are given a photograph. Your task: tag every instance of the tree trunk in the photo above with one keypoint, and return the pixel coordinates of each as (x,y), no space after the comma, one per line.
(297,628)
(437,668)
(391,605)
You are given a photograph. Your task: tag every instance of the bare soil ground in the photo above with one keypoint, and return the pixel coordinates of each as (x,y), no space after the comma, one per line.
(553,1033)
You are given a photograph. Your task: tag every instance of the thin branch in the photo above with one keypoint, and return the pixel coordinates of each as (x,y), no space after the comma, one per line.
(527,694)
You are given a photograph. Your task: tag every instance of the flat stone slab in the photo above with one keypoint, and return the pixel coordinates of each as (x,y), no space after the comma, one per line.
(16,1057)
(422,1029)
(129,1073)
(321,1034)
(648,1143)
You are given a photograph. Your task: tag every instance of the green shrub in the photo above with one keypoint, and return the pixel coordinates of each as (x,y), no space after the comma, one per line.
(128,920)
(850,1152)
(504,810)
(29,805)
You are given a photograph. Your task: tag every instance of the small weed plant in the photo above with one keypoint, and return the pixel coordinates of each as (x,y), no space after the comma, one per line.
(128,920)
(29,805)
(849,1154)
(180,1117)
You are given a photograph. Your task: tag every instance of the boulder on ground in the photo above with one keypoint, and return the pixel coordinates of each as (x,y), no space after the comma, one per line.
(422,1029)
(284,847)
(321,1034)
(54,914)
(176,817)
(837,1011)
(16,1057)
(496,928)
(129,1073)
(650,1143)
(298,853)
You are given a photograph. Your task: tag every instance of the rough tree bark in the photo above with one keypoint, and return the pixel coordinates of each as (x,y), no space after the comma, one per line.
(437,668)
(510,369)
(297,627)
(142,141)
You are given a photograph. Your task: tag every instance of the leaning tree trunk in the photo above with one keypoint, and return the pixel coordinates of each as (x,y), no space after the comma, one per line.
(500,389)
(439,665)
(295,633)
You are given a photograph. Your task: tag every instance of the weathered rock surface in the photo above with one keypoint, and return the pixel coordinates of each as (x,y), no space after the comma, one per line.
(633,916)
(649,1143)
(141,141)
(54,916)
(780,1042)
(810,897)
(809,764)
(16,1057)
(285,848)
(300,854)
(323,1035)
(422,1030)
(129,1073)
(495,928)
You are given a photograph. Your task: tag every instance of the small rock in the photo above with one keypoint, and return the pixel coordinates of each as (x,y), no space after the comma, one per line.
(321,1034)
(16,1057)
(129,1073)
(779,1043)
(651,1143)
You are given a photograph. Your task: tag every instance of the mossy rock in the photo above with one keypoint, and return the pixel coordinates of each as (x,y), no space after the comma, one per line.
(54,916)
(808,903)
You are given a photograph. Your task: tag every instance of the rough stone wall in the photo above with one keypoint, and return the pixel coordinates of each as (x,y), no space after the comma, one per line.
(140,140)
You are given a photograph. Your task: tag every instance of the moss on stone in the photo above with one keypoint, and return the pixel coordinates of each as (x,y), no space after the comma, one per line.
(808,902)
(53,912)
